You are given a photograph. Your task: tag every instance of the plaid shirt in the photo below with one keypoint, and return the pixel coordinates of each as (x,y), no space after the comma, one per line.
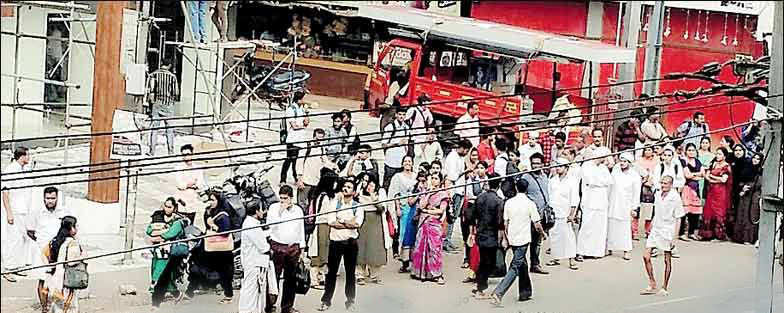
(547,141)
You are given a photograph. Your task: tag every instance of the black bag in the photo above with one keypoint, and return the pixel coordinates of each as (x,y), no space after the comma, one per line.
(500,263)
(547,214)
(302,278)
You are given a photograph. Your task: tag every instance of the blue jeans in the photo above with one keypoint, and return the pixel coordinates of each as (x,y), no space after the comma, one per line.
(198,11)
(456,206)
(518,268)
(154,134)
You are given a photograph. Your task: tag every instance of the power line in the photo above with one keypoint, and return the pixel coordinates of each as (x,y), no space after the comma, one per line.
(374,133)
(97,134)
(352,207)
(237,164)
(175,159)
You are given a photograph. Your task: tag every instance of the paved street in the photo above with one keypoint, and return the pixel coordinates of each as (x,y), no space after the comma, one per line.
(709,277)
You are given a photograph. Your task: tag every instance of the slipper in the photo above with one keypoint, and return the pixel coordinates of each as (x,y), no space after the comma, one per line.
(573,267)
(495,301)
(465,265)
(627,257)
(553,263)
(663,293)
(648,291)
(226,301)
(441,281)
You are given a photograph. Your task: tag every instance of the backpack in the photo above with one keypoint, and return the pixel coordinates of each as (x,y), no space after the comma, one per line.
(661,169)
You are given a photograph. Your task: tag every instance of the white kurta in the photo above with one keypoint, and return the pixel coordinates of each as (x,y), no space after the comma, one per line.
(17,247)
(624,198)
(47,223)
(564,195)
(255,262)
(592,239)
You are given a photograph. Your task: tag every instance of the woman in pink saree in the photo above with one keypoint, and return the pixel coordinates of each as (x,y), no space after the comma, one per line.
(427,259)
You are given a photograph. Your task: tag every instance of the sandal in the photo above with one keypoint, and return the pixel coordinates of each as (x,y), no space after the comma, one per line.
(627,256)
(553,263)
(495,301)
(573,267)
(226,300)
(441,281)
(465,265)
(648,291)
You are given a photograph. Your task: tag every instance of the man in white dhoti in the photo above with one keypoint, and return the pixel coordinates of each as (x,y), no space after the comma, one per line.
(664,228)
(255,252)
(597,181)
(46,221)
(624,201)
(17,244)
(564,198)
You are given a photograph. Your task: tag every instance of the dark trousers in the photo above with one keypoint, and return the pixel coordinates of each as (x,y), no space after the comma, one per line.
(388,173)
(347,251)
(465,230)
(223,263)
(518,269)
(536,247)
(487,256)
(159,291)
(690,224)
(285,258)
(292,152)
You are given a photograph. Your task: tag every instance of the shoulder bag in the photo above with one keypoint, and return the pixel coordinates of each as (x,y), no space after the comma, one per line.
(218,243)
(301,278)
(548,214)
(75,276)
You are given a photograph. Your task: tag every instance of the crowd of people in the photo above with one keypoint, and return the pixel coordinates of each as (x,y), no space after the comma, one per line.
(588,198)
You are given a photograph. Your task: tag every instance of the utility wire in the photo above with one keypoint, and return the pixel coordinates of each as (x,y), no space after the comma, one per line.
(330,113)
(28,268)
(237,164)
(176,159)
(366,134)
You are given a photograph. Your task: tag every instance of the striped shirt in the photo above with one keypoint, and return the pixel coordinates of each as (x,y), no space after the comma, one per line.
(625,137)
(163,90)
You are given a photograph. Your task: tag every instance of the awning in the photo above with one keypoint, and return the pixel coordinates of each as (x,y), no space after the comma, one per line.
(501,38)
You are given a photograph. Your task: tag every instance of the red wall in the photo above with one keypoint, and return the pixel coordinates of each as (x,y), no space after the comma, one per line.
(678,54)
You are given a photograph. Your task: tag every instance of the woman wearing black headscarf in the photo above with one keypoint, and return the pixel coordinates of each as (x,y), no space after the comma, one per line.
(746,226)
(738,163)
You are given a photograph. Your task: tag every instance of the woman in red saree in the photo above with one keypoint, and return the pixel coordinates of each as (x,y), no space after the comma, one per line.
(427,258)
(717,197)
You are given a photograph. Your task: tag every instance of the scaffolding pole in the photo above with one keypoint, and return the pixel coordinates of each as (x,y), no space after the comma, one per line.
(68,95)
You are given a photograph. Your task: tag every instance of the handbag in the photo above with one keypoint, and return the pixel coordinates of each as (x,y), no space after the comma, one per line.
(548,214)
(218,243)
(301,278)
(75,276)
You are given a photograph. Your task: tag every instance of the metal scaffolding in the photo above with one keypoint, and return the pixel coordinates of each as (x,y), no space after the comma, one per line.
(72,6)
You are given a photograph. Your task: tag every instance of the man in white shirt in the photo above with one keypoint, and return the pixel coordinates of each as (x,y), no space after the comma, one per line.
(624,202)
(309,166)
(652,129)
(296,122)
(519,214)
(394,141)
(419,117)
(47,219)
(17,245)
(668,165)
(564,199)
(467,126)
(255,255)
(502,158)
(528,149)
(454,166)
(664,228)
(596,183)
(287,240)
(344,230)
(189,182)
